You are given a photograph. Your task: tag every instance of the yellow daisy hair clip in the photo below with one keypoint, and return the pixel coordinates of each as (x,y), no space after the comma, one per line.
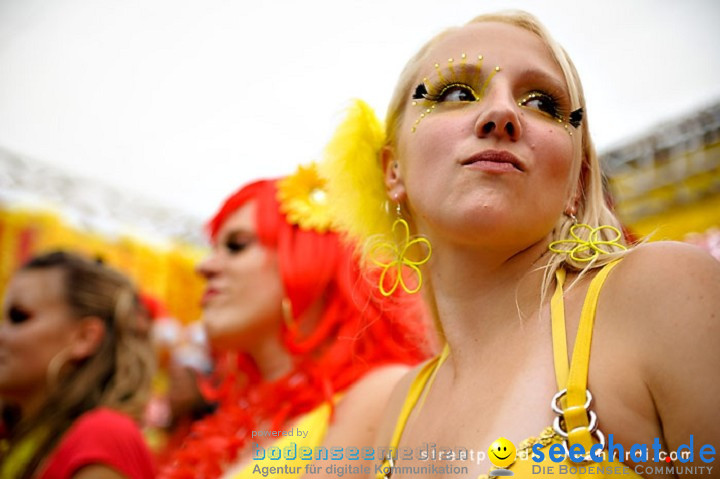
(583,250)
(303,199)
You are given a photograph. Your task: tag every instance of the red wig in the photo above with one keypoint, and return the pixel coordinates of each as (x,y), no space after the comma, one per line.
(358,330)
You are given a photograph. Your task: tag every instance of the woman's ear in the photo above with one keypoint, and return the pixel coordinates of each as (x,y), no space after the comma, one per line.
(394,184)
(88,337)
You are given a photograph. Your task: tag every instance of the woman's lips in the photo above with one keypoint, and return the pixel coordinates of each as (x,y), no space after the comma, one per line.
(494,161)
(209,294)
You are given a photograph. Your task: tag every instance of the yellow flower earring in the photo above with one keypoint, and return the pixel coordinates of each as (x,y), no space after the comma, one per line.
(600,240)
(393,256)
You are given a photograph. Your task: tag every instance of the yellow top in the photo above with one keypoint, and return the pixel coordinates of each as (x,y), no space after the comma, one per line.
(314,424)
(574,414)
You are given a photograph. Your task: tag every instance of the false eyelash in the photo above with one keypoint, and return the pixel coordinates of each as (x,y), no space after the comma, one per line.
(544,96)
(420,92)
(444,87)
(576,117)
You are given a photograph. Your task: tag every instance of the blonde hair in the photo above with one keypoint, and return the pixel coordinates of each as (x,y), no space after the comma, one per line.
(118,375)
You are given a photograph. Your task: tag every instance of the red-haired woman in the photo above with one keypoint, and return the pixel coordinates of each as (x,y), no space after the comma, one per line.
(304,344)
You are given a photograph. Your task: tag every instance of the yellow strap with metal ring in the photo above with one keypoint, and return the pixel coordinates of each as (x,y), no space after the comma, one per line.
(574,402)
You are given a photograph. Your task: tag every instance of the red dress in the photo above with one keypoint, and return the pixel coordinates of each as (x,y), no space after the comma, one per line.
(101,437)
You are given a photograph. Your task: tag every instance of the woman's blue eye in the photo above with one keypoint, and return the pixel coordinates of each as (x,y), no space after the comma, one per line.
(541,102)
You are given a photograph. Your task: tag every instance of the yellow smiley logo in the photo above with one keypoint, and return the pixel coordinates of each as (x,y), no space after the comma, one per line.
(502,452)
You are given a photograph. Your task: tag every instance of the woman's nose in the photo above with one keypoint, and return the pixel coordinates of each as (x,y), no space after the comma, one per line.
(208,267)
(498,117)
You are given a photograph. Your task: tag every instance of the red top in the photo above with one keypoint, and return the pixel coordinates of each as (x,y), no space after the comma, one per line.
(101,437)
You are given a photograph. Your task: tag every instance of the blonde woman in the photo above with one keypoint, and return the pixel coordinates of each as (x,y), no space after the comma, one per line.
(487,156)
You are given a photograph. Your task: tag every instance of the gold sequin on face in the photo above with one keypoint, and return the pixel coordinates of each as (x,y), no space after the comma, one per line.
(456,73)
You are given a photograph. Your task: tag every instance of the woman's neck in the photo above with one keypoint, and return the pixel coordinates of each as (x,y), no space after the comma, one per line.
(484,298)
(28,405)
(271,357)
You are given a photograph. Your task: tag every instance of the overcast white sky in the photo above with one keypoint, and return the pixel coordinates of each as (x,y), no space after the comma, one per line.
(184,101)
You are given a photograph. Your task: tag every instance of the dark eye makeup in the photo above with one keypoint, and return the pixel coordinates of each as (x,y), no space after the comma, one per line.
(234,246)
(543,103)
(18,315)
(237,242)
(454,86)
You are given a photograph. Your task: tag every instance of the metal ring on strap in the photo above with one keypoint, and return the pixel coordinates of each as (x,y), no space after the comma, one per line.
(558,425)
(391,463)
(555,404)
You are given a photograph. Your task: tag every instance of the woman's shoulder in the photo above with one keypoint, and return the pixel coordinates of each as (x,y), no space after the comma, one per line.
(101,436)
(395,404)
(360,408)
(668,267)
(663,301)
(103,418)
(360,412)
(665,293)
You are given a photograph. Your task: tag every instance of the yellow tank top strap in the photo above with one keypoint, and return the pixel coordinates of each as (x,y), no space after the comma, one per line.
(559,337)
(417,393)
(580,424)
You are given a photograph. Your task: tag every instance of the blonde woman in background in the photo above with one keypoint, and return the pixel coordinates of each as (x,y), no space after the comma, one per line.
(75,370)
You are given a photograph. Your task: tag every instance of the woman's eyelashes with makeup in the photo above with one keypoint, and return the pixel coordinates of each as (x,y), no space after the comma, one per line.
(537,100)
(453,92)
(544,103)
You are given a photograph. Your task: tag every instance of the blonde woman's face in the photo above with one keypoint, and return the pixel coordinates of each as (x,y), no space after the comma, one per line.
(484,153)
(243,295)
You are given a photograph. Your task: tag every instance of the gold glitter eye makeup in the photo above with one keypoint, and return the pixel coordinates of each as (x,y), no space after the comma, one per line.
(457,82)
(461,82)
(548,105)
(543,103)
